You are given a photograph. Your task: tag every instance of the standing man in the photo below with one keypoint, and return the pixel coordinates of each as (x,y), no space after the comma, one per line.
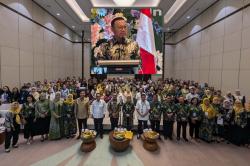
(182,114)
(168,111)
(142,108)
(128,112)
(98,110)
(82,111)
(155,114)
(120,47)
(114,110)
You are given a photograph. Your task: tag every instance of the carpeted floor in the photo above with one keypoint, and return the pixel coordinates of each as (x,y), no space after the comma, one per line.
(66,152)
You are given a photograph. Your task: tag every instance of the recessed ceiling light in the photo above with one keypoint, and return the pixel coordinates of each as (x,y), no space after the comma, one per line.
(73,26)
(188,17)
(58,14)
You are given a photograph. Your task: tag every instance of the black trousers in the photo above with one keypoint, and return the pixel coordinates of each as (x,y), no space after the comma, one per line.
(168,128)
(82,123)
(238,135)
(29,128)
(14,135)
(99,125)
(127,123)
(194,129)
(182,125)
(145,125)
(155,125)
(114,123)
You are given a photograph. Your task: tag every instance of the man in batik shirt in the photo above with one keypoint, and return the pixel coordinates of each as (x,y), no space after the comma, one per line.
(155,114)
(128,111)
(168,111)
(114,111)
(119,47)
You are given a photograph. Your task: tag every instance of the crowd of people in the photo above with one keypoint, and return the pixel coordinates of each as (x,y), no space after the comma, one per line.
(54,109)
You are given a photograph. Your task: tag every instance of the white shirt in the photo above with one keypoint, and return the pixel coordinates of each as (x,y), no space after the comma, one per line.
(189,96)
(138,96)
(142,107)
(98,109)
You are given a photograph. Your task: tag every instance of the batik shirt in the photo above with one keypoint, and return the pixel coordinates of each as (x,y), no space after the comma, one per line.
(128,109)
(115,50)
(155,112)
(167,109)
(182,112)
(114,109)
(195,112)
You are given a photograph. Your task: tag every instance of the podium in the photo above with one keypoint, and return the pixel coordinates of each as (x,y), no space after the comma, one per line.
(120,66)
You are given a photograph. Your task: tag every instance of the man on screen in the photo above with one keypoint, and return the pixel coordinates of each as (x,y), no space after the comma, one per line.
(119,47)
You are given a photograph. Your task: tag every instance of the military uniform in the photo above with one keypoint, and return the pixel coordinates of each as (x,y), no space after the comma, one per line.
(182,114)
(128,111)
(168,112)
(155,115)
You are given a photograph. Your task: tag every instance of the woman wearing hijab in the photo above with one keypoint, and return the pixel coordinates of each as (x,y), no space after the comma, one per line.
(247,105)
(54,129)
(42,116)
(218,127)
(68,117)
(240,123)
(12,125)
(227,109)
(208,120)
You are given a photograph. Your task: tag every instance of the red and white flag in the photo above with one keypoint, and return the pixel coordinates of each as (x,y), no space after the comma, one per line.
(146,40)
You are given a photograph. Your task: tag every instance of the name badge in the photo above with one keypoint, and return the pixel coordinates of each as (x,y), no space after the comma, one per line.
(220,121)
(194,114)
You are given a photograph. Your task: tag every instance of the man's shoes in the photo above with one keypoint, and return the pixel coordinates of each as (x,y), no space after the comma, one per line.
(15,146)
(178,139)
(186,139)
(101,136)
(7,150)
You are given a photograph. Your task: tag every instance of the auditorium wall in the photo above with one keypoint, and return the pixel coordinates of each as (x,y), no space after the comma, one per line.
(30,52)
(219,54)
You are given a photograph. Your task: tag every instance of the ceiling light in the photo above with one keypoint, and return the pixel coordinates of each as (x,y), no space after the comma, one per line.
(124,3)
(188,17)
(73,27)
(58,14)
(173,10)
(77,9)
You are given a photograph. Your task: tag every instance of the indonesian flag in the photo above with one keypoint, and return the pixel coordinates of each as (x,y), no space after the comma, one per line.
(146,40)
